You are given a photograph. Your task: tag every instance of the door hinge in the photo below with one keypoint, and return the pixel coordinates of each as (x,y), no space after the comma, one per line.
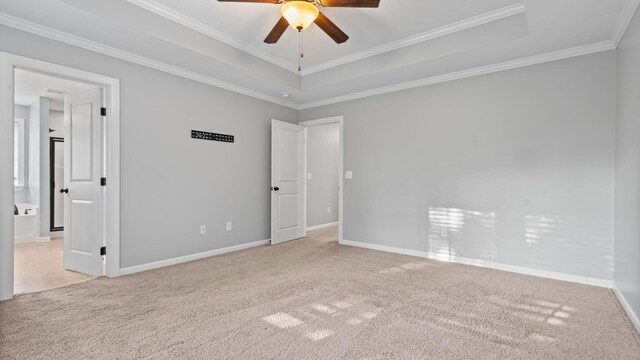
(103,251)
(103,181)
(103,111)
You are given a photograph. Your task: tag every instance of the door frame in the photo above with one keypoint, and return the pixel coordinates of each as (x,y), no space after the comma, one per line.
(52,152)
(340,121)
(111,211)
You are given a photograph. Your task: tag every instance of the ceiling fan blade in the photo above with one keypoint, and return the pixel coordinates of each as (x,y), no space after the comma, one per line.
(331,29)
(351,3)
(252,1)
(277,31)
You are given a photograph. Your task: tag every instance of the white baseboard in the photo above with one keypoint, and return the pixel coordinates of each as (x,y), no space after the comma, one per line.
(187,258)
(625,305)
(32,240)
(318,227)
(486,264)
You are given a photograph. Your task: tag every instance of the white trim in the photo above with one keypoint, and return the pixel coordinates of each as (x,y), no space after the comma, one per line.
(486,264)
(187,258)
(625,20)
(197,26)
(625,305)
(449,29)
(483,70)
(43,239)
(323,226)
(340,121)
(86,44)
(9,63)
(7,195)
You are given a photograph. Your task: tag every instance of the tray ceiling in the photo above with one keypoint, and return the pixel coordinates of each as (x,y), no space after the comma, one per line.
(399,45)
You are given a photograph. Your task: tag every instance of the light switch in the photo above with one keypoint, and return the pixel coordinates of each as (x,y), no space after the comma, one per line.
(308,176)
(348,175)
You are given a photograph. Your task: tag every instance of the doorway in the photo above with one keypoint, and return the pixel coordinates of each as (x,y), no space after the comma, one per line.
(46,256)
(74,114)
(323,178)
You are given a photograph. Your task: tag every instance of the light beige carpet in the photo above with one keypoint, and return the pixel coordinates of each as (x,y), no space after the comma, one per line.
(315,299)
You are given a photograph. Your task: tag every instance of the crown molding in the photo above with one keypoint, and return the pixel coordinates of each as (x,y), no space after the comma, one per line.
(449,29)
(197,26)
(90,45)
(73,40)
(483,70)
(625,21)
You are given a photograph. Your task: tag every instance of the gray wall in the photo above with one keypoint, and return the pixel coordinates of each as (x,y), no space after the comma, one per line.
(323,145)
(170,183)
(627,228)
(23,113)
(37,162)
(515,167)
(56,123)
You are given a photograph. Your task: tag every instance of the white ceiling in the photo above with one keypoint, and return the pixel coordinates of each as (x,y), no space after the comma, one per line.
(249,23)
(399,45)
(29,86)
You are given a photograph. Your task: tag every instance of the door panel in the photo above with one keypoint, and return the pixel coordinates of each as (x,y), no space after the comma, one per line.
(288,219)
(83,220)
(81,131)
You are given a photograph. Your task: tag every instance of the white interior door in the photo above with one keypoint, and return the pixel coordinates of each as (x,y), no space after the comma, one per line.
(288,210)
(83,203)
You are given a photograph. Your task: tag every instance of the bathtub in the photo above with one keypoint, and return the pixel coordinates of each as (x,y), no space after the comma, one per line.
(27,224)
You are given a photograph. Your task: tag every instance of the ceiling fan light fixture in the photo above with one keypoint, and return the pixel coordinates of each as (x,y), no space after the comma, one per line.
(299,13)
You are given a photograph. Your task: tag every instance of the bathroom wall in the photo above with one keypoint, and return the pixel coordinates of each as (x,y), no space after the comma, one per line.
(38,160)
(33,158)
(22,112)
(56,123)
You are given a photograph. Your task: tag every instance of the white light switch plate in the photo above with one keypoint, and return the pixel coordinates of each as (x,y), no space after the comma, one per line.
(348,175)
(309,176)
(229,225)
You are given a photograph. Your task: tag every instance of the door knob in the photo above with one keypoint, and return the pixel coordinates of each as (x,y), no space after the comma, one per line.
(275,188)
(65,190)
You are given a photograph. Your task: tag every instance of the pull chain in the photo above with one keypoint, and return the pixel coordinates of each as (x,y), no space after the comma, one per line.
(300,48)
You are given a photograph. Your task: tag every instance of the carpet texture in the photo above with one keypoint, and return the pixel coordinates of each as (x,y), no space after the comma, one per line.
(315,299)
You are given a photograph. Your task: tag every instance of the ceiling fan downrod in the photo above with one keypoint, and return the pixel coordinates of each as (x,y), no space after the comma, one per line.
(300,48)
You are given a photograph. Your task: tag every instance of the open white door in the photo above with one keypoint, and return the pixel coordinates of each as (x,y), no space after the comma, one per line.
(288,210)
(83,203)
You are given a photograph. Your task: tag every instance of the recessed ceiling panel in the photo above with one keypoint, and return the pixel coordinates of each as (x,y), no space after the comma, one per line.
(249,23)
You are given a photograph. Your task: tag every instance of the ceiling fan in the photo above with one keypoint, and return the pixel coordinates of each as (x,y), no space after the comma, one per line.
(299,14)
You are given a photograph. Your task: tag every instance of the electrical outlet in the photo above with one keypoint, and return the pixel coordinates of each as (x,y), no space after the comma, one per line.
(203,229)
(229,225)
(309,176)
(329,210)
